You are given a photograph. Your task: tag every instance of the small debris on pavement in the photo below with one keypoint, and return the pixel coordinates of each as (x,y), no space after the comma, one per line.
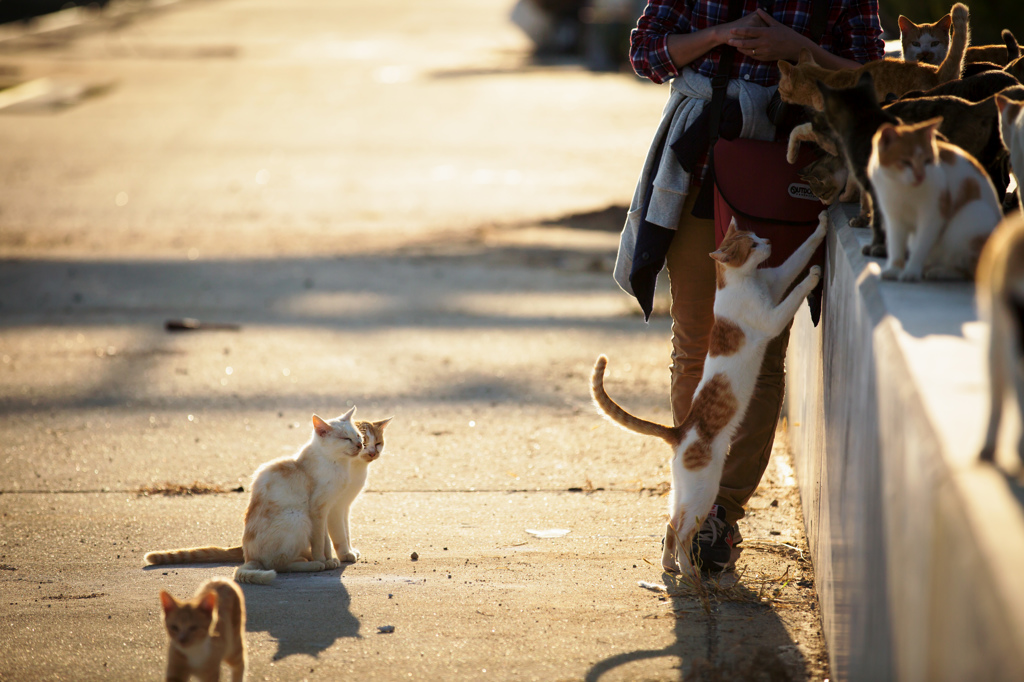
(415,556)
(548,533)
(385,629)
(191,324)
(653,587)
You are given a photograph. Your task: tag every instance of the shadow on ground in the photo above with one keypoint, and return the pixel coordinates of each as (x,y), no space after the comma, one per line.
(706,648)
(304,613)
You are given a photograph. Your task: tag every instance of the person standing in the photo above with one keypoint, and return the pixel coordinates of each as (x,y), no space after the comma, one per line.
(682,42)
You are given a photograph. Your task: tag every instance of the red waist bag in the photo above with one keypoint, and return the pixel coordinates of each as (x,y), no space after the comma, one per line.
(756,185)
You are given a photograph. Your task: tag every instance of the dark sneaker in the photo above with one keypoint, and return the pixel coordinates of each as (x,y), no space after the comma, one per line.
(712,547)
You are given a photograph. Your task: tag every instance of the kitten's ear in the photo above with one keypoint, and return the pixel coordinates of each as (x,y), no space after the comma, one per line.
(904,23)
(1006,104)
(208,602)
(321,427)
(169,603)
(805,57)
(944,23)
(886,135)
(348,415)
(720,256)
(785,68)
(383,423)
(931,126)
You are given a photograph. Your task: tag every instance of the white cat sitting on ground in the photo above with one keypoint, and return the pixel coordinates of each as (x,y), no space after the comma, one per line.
(937,201)
(300,505)
(751,308)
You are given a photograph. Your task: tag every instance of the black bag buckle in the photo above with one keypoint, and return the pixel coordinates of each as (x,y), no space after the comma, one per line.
(719,81)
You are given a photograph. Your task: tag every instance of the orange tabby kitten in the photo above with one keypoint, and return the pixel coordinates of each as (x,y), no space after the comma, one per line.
(204,631)
(752,306)
(798,83)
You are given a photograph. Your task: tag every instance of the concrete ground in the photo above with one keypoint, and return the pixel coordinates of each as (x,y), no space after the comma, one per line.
(398,209)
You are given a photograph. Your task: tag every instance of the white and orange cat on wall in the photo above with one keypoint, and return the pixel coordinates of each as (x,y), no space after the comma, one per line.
(300,505)
(751,308)
(937,201)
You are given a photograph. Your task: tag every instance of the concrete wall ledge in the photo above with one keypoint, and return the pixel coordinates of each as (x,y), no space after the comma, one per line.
(918,547)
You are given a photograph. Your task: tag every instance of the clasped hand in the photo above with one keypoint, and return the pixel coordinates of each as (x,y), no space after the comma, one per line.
(760,36)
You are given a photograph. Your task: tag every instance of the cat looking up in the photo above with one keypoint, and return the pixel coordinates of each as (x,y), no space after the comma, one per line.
(935,197)
(751,308)
(205,631)
(299,506)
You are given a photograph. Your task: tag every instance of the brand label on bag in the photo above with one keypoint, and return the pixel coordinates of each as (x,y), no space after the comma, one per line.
(799,190)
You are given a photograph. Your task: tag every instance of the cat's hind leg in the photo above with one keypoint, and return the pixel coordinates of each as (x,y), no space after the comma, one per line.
(668,551)
(237,667)
(253,572)
(683,528)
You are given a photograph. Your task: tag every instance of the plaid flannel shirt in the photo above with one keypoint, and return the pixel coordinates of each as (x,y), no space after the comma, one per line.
(853,31)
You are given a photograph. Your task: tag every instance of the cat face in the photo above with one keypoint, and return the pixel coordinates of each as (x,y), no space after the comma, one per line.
(190,622)
(907,151)
(926,43)
(373,439)
(339,435)
(827,177)
(741,249)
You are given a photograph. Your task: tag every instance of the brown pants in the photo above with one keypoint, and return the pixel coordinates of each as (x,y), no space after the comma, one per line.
(692,277)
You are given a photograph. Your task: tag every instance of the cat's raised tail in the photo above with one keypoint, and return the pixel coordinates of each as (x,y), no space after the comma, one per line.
(1012,48)
(612,410)
(197,555)
(953,65)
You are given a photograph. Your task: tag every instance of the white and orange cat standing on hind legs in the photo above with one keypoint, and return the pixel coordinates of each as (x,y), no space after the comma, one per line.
(751,308)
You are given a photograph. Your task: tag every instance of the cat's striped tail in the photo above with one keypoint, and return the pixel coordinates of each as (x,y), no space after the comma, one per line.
(253,572)
(952,67)
(612,410)
(197,555)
